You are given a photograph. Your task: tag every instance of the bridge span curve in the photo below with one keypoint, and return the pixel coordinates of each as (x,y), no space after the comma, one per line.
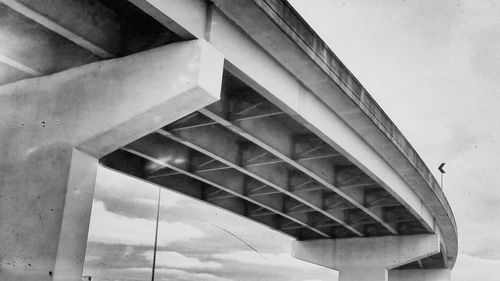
(238,104)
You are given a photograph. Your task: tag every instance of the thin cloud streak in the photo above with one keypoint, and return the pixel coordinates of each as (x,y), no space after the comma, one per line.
(250,257)
(177,260)
(181,275)
(110,228)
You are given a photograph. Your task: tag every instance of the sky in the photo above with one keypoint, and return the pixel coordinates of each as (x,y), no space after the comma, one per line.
(433,66)
(196,242)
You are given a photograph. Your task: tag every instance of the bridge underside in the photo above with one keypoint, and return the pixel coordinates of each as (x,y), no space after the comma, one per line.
(249,152)
(245,155)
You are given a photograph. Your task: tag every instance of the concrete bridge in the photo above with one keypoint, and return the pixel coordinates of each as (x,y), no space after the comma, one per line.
(235,103)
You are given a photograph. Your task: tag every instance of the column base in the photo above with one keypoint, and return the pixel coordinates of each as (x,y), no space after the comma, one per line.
(45,212)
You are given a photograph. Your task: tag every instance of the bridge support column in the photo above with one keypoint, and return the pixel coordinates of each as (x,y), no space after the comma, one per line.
(54,129)
(366,259)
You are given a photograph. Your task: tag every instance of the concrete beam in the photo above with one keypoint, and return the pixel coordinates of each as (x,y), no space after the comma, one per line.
(133,162)
(12,70)
(203,136)
(30,47)
(19,66)
(279,142)
(174,156)
(360,259)
(88,23)
(102,106)
(224,148)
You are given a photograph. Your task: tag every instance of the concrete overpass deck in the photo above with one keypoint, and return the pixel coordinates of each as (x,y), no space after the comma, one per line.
(246,155)
(292,140)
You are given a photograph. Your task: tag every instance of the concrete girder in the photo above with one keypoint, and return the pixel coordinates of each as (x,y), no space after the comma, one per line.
(251,155)
(137,165)
(380,198)
(245,106)
(180,125)
(359,259)
(47,36)
(43,37)
(277,141)
(167,153)
(99,88)
(310,147)
(225,149)
(211,194)
(31,50)
(19,66)
(57,126)
(72,19)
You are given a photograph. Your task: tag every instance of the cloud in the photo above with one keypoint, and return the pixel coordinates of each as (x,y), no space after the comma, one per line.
(251,257)
(182,275)
(473,268)
(178,260)
(133,190)
(435,73)
(110,228)
(478,242)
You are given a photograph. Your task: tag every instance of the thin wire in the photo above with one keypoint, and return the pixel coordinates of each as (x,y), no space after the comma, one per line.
(236,236)
(156,234)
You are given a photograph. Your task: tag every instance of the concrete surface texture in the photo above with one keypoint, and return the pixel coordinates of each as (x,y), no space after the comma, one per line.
(235,103)
(57,126)
(369,258)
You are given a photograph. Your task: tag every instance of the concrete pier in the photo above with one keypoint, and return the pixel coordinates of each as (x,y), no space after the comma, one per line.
(55,128)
